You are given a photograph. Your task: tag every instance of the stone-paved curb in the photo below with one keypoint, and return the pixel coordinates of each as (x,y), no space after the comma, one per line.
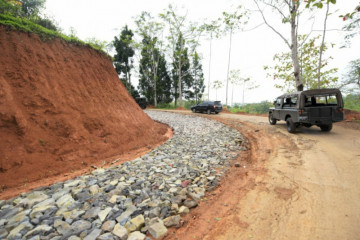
(146,195)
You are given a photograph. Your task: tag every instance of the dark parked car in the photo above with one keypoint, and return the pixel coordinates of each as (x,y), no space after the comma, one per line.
(320,107)
(208,107)
(141,101)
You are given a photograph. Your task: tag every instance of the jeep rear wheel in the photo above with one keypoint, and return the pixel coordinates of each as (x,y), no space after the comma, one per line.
(272,120)
(326,128)
(290,125)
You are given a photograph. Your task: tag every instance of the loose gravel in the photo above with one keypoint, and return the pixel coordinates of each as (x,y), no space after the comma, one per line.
(146,195)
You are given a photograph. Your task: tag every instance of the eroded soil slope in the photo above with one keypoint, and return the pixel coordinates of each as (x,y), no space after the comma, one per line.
(62,108)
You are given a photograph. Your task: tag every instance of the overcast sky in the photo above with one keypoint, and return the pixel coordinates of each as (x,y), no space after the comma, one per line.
(251,50)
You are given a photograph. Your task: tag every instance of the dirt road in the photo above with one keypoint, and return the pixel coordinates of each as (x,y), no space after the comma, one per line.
(289,186)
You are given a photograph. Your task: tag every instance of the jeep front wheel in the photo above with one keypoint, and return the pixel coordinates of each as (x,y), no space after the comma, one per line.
(272,120)
(208,111)
(193,110)
(290,125)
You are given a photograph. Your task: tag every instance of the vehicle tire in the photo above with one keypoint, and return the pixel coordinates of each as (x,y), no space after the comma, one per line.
(326,128)
(272,120)
(290,125)
(208,111)
(194,110)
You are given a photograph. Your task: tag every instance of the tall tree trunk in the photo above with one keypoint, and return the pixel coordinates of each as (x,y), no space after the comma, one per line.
(155,95)
(322,44)
(179,84)
(294,55)
(128,77)
(209,68)
(127,81)
(228,70)
(175,100)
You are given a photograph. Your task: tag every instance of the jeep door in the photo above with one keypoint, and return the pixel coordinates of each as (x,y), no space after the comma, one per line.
(278,105)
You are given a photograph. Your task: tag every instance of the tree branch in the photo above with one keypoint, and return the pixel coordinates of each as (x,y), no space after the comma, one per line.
(271,27)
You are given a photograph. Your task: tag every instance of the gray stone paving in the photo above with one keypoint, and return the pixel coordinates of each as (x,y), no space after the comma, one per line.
(146,195)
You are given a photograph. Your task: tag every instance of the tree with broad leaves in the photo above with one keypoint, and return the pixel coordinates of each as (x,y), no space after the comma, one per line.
(218,84)
(289,12)
(123,59)
(164,82)
(308,62)
(352,27)
(22,8)
(32,8)
(182,35)
(151,49)
(180,57)
(351,82)
(232,22)
(158,91)
(198,78)
(237,80)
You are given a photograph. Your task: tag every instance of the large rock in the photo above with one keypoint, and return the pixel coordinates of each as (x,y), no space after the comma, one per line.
(33,198)
(106,236)
(40,229)
(135,224)
(20,230)
(123,218)
(93,235)
(108,226)
(120,231)
(61,226)
(172,221)
(103,214)
(136,236)
(157,229)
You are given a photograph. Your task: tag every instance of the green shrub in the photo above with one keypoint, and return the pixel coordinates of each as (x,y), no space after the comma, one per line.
(25,25)
(253,108)
(166,106)
(352,102)
(189,104)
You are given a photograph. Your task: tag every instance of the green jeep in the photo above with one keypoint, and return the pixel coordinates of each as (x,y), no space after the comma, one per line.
(320,107)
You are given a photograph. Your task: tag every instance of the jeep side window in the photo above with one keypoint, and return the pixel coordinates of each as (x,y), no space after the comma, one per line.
(307,101)
(287,102)
(278,103)
(332,100)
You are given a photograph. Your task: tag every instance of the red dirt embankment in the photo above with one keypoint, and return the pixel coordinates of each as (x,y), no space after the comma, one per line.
(62,109)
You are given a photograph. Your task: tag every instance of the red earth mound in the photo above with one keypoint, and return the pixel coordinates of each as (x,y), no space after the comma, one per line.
(63,109)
